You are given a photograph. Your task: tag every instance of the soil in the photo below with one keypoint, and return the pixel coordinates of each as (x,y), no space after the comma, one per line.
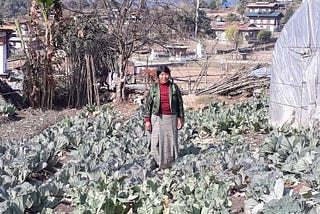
(29,122)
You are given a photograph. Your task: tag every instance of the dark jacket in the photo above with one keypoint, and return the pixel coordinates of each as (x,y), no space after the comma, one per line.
(153,100)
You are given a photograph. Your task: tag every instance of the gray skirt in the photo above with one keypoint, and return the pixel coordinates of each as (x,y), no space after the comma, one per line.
(164,139)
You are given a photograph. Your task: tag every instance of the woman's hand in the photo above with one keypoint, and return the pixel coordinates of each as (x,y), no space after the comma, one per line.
(180,123)
(148,126)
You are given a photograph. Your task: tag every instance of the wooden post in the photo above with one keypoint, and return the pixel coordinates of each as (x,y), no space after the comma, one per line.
(189,85)
(206,79)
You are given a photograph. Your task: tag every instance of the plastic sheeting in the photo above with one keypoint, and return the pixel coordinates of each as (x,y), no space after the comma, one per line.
(295,88)
(261,72)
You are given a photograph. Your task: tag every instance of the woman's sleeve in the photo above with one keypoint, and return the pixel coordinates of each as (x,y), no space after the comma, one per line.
(148,105)
(180,104)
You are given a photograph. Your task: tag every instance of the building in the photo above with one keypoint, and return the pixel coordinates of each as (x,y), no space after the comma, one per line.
(4,49)
(248,31)
(15,39)
(265,15)
(177,51)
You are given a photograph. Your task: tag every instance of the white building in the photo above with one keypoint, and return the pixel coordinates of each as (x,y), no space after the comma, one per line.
(15,40)
(4,35)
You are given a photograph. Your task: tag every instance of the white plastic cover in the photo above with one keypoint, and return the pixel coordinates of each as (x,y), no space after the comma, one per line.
(295,88)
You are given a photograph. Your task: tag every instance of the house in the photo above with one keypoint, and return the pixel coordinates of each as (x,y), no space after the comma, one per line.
(262,6)
(4,48)
(218,18)
(265,15)
(248,31)
(15,40)
(176,51)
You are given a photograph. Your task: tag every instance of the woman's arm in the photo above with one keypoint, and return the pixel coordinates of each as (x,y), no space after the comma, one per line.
(148,110)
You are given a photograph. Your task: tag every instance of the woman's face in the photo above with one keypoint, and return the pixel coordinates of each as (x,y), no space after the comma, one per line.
(164,77)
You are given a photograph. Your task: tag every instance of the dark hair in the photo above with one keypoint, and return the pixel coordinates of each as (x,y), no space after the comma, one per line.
(163,68)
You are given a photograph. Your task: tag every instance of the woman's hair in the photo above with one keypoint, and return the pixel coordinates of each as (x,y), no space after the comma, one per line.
(163,68)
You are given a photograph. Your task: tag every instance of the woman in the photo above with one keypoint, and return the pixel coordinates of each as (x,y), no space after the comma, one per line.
(164,116)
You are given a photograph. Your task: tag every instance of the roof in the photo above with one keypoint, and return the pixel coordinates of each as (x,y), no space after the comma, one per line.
(242,26)
(5,28)
(262,5)
(264,14)
(176,46)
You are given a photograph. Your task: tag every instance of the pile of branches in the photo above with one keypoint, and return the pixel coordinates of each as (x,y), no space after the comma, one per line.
(240,83)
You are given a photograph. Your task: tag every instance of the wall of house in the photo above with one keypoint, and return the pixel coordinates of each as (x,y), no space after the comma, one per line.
(221,36)
(15,40)
(265,23)
(257,10)
(3,53)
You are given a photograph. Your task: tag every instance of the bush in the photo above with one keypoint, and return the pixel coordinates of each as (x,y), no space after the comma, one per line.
(264,35)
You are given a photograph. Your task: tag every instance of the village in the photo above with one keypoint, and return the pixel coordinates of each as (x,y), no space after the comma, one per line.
(196,64)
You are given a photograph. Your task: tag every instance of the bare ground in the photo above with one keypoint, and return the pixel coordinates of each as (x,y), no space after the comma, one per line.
(30,122)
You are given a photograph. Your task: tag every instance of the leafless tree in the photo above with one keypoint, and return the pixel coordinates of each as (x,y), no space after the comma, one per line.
(136,24)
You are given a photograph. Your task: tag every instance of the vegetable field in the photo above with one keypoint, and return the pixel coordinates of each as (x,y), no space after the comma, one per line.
(98,163)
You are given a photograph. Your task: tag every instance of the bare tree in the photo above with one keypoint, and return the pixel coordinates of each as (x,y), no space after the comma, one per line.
(136,24)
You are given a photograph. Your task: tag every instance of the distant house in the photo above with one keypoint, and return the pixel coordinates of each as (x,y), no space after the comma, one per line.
(15,41)
(218,18)
(4,49)
(248,31)
(265,15)
(177,51)
(262,6)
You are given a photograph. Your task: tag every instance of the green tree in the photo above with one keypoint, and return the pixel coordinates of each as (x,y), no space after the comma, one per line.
(187,23)
(242,7)
(232,17)
(213,4)
(233,36)
(204,4)
(264,35)
(289,12)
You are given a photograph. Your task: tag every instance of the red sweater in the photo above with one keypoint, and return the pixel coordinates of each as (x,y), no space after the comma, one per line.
(164,100)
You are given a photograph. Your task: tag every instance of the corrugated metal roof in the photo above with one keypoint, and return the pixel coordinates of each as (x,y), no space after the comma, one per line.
(264,14)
